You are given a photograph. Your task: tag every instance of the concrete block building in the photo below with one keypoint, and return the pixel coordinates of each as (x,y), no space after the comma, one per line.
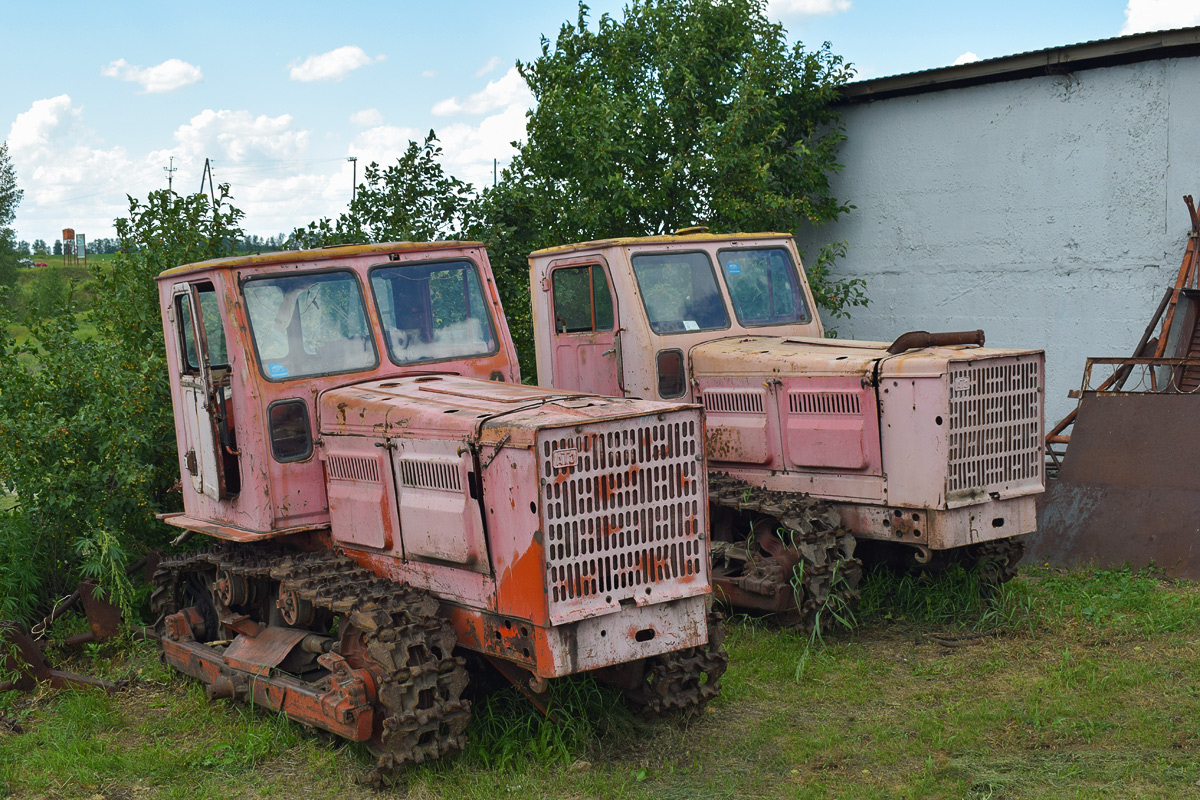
(1037,196)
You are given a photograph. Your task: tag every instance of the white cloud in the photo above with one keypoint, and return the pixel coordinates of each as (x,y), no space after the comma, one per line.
(383,144)
(33,130)
(505,91)
(1159,15)
(966,58)
(68,180)
(235,135)
(428,74)
(806,8)
(168,76)
(332,66)
(367,118)
(491,64)
(469,149)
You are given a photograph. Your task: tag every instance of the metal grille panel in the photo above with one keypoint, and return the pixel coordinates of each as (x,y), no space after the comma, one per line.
(732,401)
(824,403)
(996,435)
(428,473)
(353,468)
(624,506)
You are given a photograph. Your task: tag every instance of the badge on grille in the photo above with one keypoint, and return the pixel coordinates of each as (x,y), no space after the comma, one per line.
(962,384)
(562,459)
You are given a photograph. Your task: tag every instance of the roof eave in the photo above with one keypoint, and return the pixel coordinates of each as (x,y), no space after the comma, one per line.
(1182,42)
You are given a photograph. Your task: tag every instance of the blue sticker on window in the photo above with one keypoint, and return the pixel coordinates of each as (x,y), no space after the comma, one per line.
(733,268)
(277,370)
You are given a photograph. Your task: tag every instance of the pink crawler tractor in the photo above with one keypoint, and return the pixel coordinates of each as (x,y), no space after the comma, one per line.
(385,493)
(929,447)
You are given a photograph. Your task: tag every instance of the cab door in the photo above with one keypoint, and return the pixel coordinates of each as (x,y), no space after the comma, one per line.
(210,448)
(586,339)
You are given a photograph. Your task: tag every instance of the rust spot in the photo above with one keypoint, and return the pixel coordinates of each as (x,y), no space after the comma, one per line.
(509,638)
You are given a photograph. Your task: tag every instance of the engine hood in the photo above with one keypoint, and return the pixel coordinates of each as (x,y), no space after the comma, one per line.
(779,357)
(484,412)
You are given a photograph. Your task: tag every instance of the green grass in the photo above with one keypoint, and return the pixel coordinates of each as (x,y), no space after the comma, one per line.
(1086,684)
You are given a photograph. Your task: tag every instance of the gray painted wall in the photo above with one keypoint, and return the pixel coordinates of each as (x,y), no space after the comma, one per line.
(1047,211)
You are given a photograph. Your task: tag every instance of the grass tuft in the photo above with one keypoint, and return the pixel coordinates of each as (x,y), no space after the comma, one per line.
(508,732)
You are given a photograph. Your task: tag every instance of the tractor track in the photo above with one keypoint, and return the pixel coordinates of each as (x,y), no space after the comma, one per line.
(407,643)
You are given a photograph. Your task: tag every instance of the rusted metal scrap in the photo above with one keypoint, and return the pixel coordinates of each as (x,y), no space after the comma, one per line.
(21,657)
(1127,475)
(22,650)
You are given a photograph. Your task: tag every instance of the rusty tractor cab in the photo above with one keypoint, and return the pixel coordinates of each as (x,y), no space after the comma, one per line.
(926,449)
(383,492)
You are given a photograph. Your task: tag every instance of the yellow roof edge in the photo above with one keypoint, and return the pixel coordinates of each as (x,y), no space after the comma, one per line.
(320,254)
(620,241)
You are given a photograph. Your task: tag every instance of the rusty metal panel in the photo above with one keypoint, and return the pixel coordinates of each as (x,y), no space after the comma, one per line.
(625,512)
(1129,488)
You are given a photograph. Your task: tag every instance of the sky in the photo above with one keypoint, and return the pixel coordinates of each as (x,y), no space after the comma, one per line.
(99,101)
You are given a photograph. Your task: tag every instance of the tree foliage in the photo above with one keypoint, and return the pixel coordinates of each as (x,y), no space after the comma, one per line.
(684,112)
(10,198)
(411,200)
(85,421)
(10,193)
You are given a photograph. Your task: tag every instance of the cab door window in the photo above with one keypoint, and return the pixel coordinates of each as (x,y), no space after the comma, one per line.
(582,300)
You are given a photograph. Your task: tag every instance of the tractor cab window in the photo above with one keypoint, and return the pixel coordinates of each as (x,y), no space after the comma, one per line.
(679,292)
(763,286)
(582,300)
(214,333)
(309,324)
(433,311)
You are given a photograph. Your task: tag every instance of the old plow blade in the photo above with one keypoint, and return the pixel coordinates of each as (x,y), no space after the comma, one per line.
(23,662)
(1128,488)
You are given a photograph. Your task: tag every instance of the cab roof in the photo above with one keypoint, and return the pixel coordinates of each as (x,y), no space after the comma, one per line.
(625,241)
(321,254)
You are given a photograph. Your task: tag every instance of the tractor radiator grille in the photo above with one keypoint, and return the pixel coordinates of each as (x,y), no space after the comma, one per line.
(996,436)
(624,506)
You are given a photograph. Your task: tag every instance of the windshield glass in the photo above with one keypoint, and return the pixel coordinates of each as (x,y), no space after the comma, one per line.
(679,292)
(433,312)
(763,286)
(309,324)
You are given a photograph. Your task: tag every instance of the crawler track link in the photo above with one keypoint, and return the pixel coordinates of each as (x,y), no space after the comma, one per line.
(803,550)
(682,681)
(397,631)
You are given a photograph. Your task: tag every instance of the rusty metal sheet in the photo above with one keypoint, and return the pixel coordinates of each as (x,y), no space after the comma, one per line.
(1129,489)
(258,654)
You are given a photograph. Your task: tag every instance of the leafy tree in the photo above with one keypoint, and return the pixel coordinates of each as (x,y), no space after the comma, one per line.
(9,259)
(10,193)
(87,443)
(58,247)
(10,197)
(684,112)
(412,200)
(39,247)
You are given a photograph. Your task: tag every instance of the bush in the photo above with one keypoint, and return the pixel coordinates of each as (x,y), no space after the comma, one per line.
(89,439)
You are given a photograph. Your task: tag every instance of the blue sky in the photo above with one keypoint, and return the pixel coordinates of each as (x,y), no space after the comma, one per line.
(97,100)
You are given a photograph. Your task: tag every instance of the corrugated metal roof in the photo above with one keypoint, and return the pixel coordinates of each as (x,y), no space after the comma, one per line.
(1178,43)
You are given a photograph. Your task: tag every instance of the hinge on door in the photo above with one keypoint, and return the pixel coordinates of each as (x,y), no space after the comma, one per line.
(189,460)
